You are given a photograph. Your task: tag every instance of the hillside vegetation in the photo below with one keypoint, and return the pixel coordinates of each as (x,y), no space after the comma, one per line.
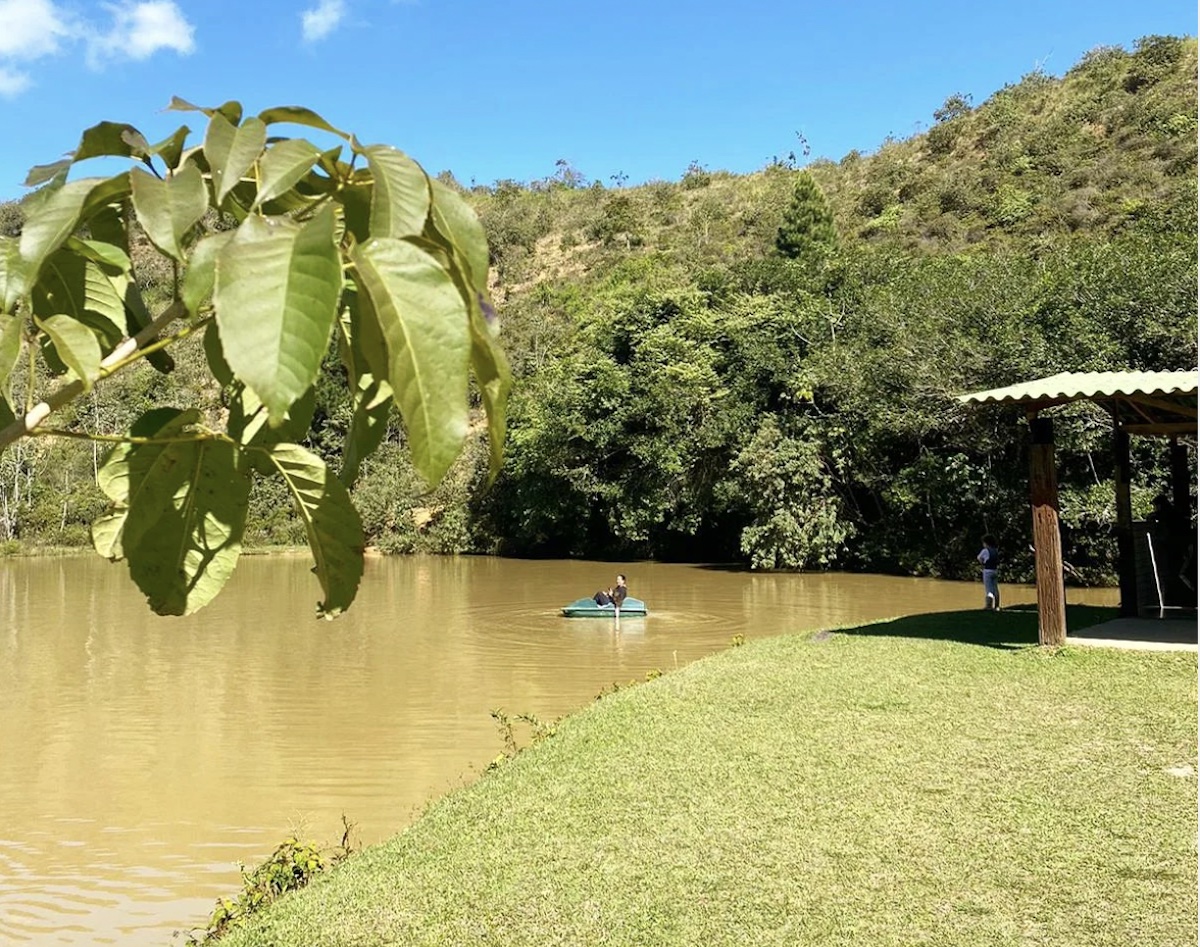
(759,367)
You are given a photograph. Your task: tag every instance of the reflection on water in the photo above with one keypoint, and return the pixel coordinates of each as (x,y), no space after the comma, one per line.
(141,758)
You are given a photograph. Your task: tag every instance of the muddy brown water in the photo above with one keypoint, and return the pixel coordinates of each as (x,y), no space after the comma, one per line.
(141,758)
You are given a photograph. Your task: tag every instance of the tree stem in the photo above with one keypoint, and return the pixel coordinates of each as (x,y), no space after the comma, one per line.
(115,360)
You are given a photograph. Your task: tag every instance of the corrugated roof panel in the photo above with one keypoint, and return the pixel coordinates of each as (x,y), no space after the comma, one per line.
(1072,386)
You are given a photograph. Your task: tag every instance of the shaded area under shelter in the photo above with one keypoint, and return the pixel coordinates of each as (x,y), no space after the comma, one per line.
(1145,404)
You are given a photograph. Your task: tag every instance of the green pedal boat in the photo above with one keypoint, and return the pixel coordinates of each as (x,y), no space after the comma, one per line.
(587,608)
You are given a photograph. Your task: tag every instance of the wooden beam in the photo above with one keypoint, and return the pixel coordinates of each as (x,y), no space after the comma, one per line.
(1137,408)
(1047,543)
(1171,429)
(1170,407)
(1126,567)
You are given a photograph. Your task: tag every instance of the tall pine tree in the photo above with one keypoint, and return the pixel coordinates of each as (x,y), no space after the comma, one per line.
(807,233)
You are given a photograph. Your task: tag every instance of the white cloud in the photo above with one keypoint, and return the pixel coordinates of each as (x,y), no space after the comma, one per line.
(12,82)
(322,20)
(140,30)
(30,29)
(35,29)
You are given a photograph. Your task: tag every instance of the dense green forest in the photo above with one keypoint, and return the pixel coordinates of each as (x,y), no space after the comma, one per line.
(760,368)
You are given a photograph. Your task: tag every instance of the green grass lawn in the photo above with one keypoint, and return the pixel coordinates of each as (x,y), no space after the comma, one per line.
(931,780)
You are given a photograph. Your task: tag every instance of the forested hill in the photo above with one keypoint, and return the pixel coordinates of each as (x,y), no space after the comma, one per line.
(759,367)
(1109,146)
(711,370)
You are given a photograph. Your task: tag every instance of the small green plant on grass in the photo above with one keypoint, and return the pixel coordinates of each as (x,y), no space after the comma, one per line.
(617,685)
(292,865)
(539,730)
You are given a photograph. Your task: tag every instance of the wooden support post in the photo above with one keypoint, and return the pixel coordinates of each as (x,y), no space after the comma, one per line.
(1126,567)
(1047,543)
(1181,496)
(1182,535)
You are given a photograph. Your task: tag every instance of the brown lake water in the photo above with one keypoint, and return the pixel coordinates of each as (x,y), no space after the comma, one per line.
(141,757)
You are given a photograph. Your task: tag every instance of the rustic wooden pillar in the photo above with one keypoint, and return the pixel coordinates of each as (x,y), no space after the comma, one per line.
(1182,536)
(1047,543)
(1181,498)
(1126,567)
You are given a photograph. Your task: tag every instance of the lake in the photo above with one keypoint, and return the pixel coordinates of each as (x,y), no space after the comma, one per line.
(141,757)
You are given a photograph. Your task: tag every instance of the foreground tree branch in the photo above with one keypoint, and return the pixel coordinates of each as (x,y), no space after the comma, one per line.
(64,395)
(393,259)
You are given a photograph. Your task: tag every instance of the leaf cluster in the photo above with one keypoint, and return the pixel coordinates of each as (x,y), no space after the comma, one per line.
(280,251)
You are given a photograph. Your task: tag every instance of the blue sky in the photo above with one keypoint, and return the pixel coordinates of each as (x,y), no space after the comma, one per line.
(495,90)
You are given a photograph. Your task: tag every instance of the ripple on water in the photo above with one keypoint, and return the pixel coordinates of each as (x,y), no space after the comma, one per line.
(83,903)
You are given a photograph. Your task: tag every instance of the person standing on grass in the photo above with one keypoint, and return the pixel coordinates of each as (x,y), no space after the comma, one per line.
(989,558)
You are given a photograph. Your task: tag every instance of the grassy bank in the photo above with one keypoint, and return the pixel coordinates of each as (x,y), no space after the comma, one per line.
(929,780)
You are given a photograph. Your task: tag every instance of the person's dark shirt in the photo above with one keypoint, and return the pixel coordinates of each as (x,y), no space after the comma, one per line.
(619,594)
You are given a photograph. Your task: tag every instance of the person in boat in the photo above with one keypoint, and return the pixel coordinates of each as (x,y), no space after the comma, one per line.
(618,593)
(603,597)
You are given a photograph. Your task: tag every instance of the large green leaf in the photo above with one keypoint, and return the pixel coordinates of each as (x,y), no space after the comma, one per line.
(368,425)
(298,115)
(334,530)
(401,197)
(248,420)
(107,139)
(283,165)
(50,226)
(426,327)
(457,223)
(494,379)
(215,357)
(106,192)
(137,317)
(110,245)
(202,271)
(365,348)
(12,277)
(277,290)
(114,475)
(231,151)
(356,209)
(41,173)
(106,534)
(456,229)
(107,225)
(183,521)
(231,111)
(75,286)
(10,352)
(76,345)
(168,210)
(110,255)
(170,149)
